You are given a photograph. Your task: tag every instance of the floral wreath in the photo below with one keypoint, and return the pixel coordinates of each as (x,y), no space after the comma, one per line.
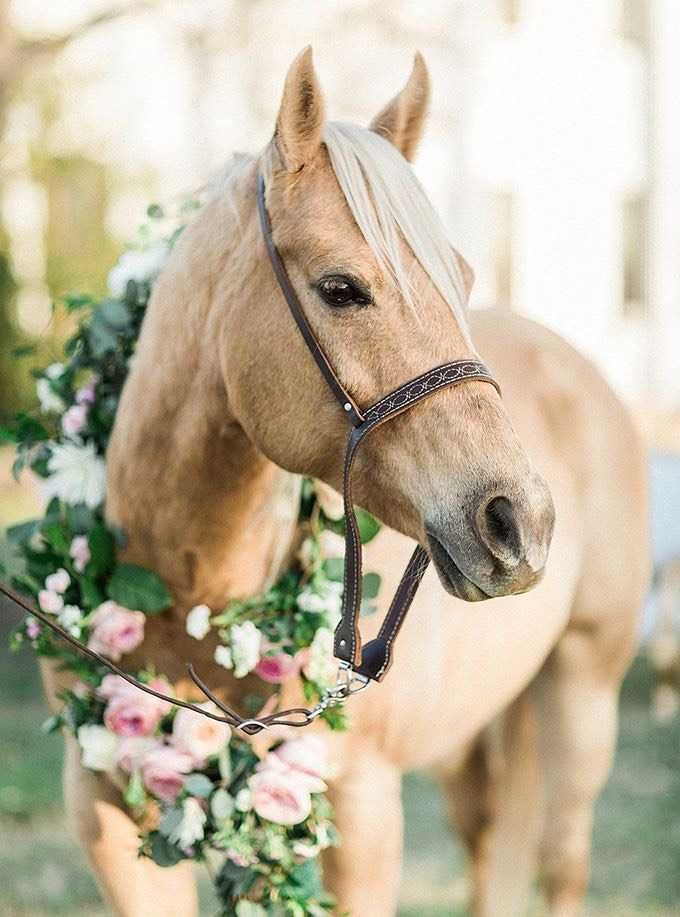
(197,790)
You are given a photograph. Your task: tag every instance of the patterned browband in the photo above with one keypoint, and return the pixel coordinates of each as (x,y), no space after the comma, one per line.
(376,657)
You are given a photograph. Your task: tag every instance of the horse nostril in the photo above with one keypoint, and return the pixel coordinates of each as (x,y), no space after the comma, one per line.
(499,529)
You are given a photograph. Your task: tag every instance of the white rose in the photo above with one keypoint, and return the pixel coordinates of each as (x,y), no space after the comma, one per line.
(321,666)
(223,657)
(77,474)
(198,622)
(244,800)
(192,826)
(329,500)
(142,266)
(59,581)
(98,747)
(245,641)
(50,402)
(306,553)
(331,544)
(70,618)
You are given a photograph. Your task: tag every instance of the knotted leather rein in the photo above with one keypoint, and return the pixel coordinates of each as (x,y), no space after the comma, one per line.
(358,667)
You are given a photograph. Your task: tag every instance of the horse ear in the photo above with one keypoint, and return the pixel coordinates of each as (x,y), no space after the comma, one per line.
(401,121)
(299,125)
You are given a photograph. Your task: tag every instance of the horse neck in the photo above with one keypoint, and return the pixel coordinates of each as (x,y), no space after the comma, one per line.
(199,504)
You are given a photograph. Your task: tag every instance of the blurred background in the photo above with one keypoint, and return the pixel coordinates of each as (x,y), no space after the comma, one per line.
(553,155)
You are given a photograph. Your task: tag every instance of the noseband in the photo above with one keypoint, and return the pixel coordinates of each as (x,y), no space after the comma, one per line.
(374,660)
(357,667)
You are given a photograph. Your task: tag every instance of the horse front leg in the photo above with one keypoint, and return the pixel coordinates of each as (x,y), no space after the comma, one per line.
(132,886)
(364,872)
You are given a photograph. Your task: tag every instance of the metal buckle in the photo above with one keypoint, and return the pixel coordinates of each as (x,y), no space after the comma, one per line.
(347,683)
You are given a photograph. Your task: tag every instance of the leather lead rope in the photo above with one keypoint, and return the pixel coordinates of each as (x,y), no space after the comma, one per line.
(376,657)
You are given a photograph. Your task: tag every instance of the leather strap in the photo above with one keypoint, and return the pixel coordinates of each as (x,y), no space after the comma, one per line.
(376,658)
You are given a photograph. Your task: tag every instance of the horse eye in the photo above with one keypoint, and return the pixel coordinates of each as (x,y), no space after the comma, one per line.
(338,290)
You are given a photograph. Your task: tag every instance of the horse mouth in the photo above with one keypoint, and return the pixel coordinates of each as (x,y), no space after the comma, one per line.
(451,576)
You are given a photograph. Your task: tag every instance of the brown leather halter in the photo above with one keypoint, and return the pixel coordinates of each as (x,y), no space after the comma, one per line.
(357,667)
(373,662)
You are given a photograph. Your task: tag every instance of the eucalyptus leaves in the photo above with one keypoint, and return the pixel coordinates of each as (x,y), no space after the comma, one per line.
(261,822)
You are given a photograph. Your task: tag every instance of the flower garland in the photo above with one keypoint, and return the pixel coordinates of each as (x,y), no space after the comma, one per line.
(198,791)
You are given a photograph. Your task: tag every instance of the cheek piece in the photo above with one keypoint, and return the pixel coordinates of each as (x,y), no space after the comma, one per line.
(357,667)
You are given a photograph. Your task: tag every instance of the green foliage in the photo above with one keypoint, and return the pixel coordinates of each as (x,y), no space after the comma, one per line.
(135,587)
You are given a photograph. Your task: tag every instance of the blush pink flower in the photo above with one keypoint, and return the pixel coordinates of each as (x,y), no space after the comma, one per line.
(50,601)
(87,394)
(163,771)
(132,751)
(280,797)
(80,552)
(117,630)
(133,714)
(32,628)
(306,755)
(277,668)
(74,419)
(197,736)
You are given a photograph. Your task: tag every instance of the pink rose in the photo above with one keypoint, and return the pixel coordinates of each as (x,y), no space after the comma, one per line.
(198,736)
(117,630)
(277,668)
(163,771)
(306,755)
(58,582)
(50,601)
(32,628)
(80,553)
(86,394)
(132,751)
(133,714)
(74,419)
(280,797)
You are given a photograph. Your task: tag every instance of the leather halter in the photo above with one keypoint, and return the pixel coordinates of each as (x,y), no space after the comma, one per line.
(357,668)
(375,659)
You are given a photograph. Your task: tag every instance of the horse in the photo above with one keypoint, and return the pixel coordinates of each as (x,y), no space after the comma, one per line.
(532,507)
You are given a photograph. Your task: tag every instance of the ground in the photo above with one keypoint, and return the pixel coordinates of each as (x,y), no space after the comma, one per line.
(637,838)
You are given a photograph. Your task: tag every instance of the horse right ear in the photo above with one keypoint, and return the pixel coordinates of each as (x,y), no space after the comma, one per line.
(299,125)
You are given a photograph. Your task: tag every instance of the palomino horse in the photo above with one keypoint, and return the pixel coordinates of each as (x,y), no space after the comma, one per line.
(513,701)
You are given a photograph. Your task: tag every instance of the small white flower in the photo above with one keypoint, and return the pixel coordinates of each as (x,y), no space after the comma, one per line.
(306,553)
(244,800)
(223,657)
(50,602)
(329,500)
(70,618)
(321,666)
(59,581)
(54,370)
(221,804)
(192,826)
(331,544)
(198,622)
(324,599)
(50,402)
(307,851)
(98,747)
(142,266)
(80,552)
(310,601)
(77,474)
(245,641)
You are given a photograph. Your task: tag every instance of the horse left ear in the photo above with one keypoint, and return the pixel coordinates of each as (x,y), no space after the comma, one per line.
(299,125)
(402,120)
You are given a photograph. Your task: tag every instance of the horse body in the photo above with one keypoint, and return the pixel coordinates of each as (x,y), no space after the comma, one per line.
(512,701)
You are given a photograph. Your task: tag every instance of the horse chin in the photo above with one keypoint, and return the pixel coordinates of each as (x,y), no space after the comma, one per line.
(452,578)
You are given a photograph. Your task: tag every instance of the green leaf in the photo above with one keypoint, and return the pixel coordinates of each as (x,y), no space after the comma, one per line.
(26,351)
(138,589)
(76,301)
(91,595)
(370,585)
(57,537)
(368,525)
(115,314)
(198,785)
(307,877)
(22,532)
(135,795)
(170,820)
(7,435)
(102,550)
(102,338)
(155,212)
(162,851)
(334,568)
